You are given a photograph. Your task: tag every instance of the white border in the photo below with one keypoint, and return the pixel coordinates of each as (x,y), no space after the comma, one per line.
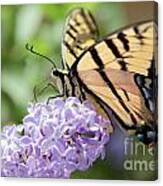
(62,1)
(47,182)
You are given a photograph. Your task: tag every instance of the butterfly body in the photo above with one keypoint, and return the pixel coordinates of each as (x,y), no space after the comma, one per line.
(117,74)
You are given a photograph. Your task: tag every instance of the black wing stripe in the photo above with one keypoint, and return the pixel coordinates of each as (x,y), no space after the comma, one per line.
(136,30)
(124,40)
(139,36)
(95,25)
(113,48)
(87,21)
(98,61)
(96,58)
(123,65)
(70,49)
(70,34)
(126,95)
(77,23)
(73,28)
(79,47)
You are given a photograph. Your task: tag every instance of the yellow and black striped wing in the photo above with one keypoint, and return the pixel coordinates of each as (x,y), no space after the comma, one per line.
(119,72)
(80,32)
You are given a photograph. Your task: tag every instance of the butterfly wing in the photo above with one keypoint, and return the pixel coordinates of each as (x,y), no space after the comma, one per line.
(120,93)
(80,32)
(119,72)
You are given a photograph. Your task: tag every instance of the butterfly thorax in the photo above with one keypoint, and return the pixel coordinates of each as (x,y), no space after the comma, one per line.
(67,84)
(73,88)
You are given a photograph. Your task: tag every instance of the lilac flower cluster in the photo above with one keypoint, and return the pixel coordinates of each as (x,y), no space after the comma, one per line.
(54,140)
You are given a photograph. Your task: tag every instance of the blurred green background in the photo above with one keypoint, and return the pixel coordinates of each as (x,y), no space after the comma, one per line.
(42,26)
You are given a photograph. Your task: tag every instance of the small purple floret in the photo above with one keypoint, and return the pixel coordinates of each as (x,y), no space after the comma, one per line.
(54,140)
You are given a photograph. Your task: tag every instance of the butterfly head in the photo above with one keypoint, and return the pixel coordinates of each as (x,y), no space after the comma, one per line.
(58,73)
(147,134)
(58,77)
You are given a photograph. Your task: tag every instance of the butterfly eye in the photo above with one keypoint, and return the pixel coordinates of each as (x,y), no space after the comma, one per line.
(55,73)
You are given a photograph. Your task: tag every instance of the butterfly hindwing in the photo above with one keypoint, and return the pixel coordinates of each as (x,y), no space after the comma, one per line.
(120,93)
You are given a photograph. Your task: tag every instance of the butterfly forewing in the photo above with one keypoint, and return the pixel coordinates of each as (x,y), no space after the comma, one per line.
(80,33)
(125,50)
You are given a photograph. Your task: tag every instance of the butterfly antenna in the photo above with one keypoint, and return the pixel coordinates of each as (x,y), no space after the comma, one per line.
(31,49)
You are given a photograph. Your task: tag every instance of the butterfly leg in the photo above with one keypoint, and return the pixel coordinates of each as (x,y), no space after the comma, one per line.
(37,92)
(53,97)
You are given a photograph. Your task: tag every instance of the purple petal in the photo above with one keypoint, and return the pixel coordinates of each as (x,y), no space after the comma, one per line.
(25,140)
